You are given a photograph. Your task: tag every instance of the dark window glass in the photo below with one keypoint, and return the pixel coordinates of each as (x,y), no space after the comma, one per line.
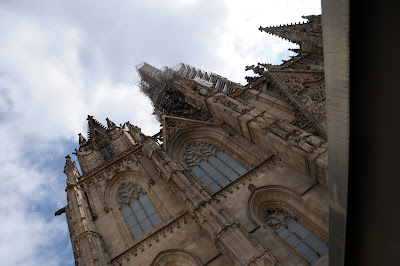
(106,151)
(308,245)
(213,167)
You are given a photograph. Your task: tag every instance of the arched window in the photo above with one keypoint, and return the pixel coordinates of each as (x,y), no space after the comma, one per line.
(213,167)
(139,213)
(308,245)
(106,151)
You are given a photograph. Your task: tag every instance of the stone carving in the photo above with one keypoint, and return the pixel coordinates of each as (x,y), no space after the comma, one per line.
(256,69)
(136,133)
(309,89)
(191,113)
(173,126)
(303,122)
(277,130)
(110,124)
(231,103)
(298,137)
(294,138)
(268,260)
(158,138)
(252,187)
(265,120)
(305,141)
(82,140)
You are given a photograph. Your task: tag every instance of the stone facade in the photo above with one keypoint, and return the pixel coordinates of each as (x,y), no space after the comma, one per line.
(269,134)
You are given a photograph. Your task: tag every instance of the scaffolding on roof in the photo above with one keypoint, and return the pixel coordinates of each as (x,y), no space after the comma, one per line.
(154,84)
(215,82)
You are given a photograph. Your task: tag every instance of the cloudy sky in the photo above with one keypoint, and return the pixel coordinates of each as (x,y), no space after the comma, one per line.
(63,60)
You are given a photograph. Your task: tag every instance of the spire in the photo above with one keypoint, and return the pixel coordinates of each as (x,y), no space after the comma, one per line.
(156,85)
(135,132)
(82,140)
(71,171)
(307,34)
(95,127)
(287,32)
(110,124)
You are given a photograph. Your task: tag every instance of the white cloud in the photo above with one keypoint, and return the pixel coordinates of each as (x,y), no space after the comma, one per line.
(60,61)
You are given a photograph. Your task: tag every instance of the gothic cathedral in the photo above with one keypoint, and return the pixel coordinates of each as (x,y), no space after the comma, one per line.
(236,176)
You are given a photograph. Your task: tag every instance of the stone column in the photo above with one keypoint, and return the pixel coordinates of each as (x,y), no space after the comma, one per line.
(88,246)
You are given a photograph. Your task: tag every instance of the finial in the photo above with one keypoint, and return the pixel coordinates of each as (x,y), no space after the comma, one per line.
(135,132)
(110,124)
(70,170)
(68,163)
(82,140)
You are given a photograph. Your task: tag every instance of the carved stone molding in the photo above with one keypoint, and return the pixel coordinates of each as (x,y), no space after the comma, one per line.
(95,171)
(231,103)
(110,167)
(309,89)
(298,138)
(152,239)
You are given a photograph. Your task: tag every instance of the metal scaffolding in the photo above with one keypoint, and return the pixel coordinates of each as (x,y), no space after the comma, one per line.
(214,83)
(154,83)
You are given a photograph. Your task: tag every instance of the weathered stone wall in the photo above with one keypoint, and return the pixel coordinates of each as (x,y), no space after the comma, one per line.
(177,230)
(89,156)
(235,201)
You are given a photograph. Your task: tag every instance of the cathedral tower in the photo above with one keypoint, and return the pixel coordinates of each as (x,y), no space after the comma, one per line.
(236,176)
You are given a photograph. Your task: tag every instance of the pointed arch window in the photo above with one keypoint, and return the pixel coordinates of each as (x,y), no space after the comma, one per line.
(106,151)
(213,167)
(308,245)
(139,213)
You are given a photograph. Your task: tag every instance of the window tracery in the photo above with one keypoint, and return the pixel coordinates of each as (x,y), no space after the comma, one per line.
(139,213)
(213,167)
(308,245)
